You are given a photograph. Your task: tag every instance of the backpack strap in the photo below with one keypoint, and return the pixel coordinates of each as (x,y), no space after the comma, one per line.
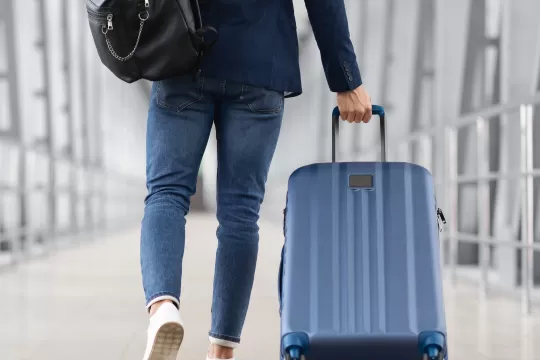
(209,36)
(203,39)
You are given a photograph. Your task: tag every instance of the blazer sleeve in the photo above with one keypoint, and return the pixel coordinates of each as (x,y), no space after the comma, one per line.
(328,19)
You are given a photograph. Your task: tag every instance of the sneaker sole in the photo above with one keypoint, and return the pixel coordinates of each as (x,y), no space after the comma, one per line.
(167,342)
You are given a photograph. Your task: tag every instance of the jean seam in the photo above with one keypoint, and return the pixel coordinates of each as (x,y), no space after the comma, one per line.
(201,85)
(224,337)
(223,87)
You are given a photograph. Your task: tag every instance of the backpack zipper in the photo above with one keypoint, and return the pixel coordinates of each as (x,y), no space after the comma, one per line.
(109,22)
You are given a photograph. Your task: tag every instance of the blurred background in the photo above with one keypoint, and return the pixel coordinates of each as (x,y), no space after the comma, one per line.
(461,84)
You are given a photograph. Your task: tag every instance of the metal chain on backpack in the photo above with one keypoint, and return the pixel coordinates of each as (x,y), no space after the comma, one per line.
(143,17)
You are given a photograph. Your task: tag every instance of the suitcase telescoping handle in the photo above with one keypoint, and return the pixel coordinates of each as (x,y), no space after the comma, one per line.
(376,110)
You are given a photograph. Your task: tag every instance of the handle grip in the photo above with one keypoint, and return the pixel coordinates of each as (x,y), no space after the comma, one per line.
(376,110)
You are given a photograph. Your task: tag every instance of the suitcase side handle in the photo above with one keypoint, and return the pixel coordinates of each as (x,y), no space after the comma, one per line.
(376,110)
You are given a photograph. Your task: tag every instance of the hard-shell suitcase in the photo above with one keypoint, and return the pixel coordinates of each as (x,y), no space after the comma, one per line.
(360,276)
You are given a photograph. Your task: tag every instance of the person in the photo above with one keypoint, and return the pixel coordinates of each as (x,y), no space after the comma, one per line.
(241,89)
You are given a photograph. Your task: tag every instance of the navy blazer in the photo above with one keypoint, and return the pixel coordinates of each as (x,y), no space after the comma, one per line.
(258,43)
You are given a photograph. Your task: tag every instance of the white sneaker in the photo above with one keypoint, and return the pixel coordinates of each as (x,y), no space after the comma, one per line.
(165,334)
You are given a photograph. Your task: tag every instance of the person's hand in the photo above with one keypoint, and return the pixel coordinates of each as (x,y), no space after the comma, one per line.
(355,105)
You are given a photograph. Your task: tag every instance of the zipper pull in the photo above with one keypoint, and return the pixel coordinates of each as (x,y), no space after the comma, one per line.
(440,216)
(109,22)
(147,3)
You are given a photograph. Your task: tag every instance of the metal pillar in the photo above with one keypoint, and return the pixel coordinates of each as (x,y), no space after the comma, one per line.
(493,73)
(400,70)
(483,203)
(451,43)
(422,107)
(423,67)
(10,75)
(45,93)
(387,56)
(527,213)
(68,108)
(93,137)
(99,167)
(14,129)
(85,129)
(472,96)
(536,156)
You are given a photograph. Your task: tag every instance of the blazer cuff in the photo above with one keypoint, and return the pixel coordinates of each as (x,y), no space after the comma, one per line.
(344,76)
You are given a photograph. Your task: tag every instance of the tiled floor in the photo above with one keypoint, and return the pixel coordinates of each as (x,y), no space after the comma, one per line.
(87,304)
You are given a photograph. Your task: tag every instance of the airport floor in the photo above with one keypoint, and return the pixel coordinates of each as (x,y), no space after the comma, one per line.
(86,303)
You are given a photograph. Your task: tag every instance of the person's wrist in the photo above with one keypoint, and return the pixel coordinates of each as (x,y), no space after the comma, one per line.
(356,89)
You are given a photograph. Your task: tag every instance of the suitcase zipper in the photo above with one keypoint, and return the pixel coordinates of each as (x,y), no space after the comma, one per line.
(284,221)
(440,217)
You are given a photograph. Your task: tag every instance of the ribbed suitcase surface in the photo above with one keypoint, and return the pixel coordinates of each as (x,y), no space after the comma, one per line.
(361,268)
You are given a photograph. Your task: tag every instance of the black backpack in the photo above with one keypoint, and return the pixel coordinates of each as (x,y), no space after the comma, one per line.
(149,39)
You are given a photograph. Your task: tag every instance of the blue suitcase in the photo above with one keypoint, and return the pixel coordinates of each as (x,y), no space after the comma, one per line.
(360,276)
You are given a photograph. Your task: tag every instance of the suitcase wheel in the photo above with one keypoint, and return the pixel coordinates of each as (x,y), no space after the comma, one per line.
(294,354)
(295,346)
(433,353)
(288,357)
(432,345)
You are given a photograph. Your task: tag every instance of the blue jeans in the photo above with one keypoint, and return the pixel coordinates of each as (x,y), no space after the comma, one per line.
(181,115)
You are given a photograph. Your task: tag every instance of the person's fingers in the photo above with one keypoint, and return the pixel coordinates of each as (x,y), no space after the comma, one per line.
(344,115)
(367,115)
(352,116)
(358,116)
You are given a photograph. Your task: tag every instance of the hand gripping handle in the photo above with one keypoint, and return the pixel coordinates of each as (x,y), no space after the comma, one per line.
(377,110)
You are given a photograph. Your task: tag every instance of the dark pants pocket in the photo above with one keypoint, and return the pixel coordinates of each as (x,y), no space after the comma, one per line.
(261,100)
